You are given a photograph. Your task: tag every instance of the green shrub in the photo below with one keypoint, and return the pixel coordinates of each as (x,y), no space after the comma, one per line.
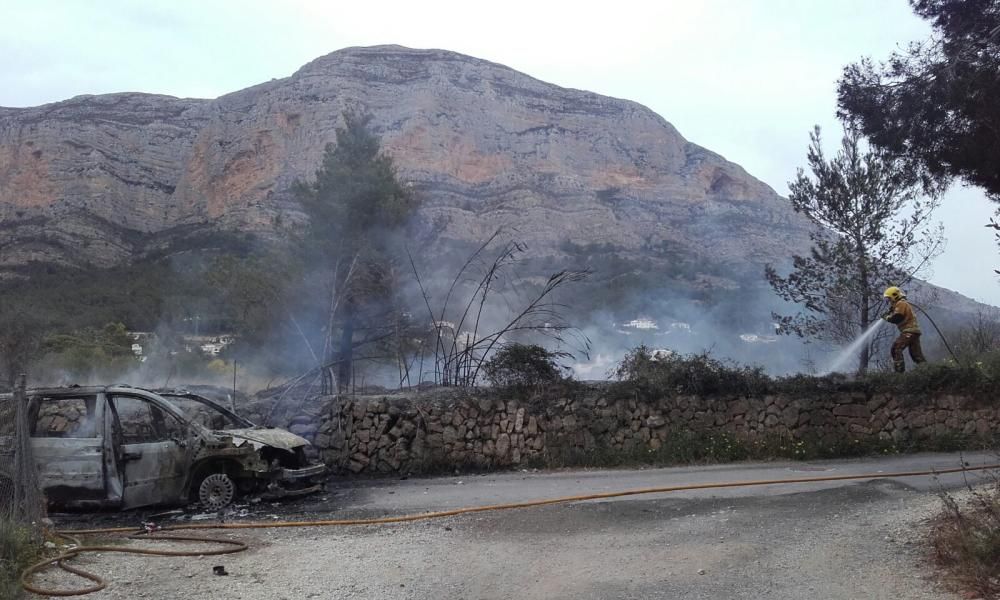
(523,366)
(976,377)
(104,352)
(689,374)
(660,372)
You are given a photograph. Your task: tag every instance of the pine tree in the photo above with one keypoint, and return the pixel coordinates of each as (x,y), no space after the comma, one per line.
(356,208)
(873,230)
(934,103)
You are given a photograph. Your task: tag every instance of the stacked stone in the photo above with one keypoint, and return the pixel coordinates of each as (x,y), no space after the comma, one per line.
(386,435)
(66,417)
(443,430)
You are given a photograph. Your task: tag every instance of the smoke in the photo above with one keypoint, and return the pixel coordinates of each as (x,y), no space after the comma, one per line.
(735,328)
(437,299)
(598,321)
(280,307)
(730,320)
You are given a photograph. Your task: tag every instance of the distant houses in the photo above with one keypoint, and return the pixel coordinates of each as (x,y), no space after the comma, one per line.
(641,323)
(208,345)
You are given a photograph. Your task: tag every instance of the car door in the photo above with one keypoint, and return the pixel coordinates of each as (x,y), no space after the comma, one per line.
(68,447)
(153,451)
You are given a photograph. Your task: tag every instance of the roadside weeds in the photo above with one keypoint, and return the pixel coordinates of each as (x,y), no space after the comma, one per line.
(965,539)
(19,547)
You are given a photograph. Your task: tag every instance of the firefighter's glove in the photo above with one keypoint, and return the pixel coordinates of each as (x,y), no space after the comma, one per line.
(886,316)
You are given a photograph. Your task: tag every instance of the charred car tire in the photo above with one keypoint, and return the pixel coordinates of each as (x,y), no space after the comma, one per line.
(216,491)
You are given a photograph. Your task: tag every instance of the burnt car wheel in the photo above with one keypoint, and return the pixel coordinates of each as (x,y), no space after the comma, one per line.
(216,491)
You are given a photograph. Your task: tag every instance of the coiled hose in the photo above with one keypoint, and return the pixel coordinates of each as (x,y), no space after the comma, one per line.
(232,546)
(100,583)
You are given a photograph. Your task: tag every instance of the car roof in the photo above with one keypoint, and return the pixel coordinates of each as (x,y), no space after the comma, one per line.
(89,389)
(66,390)
(81,389)
(119,388)
(85,389)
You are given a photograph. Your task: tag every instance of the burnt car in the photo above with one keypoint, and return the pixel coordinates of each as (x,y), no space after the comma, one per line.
(126,447)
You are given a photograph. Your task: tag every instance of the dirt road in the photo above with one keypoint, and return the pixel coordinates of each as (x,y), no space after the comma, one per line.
(833,540)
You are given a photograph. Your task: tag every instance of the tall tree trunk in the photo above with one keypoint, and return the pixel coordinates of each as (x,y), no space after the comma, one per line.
(329,386)
(345,356)
(865,356)
(339,286)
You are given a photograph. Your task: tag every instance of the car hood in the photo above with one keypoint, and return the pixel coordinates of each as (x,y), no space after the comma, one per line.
(263,436)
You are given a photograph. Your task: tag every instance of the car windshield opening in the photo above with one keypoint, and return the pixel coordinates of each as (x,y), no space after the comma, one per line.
(207,414)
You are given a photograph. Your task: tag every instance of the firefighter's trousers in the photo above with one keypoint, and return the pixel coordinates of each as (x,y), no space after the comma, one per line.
(904,341)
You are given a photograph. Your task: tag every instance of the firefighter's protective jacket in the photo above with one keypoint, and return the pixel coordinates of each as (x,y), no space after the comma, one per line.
(903,317)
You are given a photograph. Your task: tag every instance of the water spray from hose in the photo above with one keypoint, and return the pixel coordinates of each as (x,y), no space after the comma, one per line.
(851,351)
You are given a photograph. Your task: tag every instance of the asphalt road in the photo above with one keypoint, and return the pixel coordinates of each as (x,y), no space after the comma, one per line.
(414,495)
(848,539)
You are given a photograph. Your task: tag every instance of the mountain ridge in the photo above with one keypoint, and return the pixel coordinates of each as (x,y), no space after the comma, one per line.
(85,180)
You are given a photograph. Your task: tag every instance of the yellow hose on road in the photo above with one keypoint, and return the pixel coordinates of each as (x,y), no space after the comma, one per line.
(240,546)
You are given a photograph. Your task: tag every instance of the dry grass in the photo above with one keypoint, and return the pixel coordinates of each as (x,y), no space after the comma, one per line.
(19,547)
(966,540)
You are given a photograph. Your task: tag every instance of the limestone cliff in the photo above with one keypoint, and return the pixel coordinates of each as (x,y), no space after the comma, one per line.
(101,180)
(85,181)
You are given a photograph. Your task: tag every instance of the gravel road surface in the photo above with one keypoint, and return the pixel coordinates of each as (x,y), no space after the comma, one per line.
(835,540)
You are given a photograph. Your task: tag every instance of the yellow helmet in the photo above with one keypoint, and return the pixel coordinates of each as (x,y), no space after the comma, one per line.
(893,293)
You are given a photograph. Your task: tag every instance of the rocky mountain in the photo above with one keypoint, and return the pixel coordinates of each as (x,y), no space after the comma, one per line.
(102,180)
(83,181)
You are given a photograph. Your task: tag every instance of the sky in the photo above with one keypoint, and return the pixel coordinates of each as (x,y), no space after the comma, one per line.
(747,79)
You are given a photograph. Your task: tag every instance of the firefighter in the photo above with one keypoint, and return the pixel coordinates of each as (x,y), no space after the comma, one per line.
(902,316)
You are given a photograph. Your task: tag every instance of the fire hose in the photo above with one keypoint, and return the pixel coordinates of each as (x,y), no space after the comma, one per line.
(938,329)
(100,583)
(232,546)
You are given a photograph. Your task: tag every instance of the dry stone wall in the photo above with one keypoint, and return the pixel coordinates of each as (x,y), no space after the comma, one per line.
(446,429)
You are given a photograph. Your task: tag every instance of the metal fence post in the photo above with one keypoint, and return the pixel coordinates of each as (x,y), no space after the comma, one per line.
(27,503)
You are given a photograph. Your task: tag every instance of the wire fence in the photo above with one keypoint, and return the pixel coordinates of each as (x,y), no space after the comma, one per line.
(21,498)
